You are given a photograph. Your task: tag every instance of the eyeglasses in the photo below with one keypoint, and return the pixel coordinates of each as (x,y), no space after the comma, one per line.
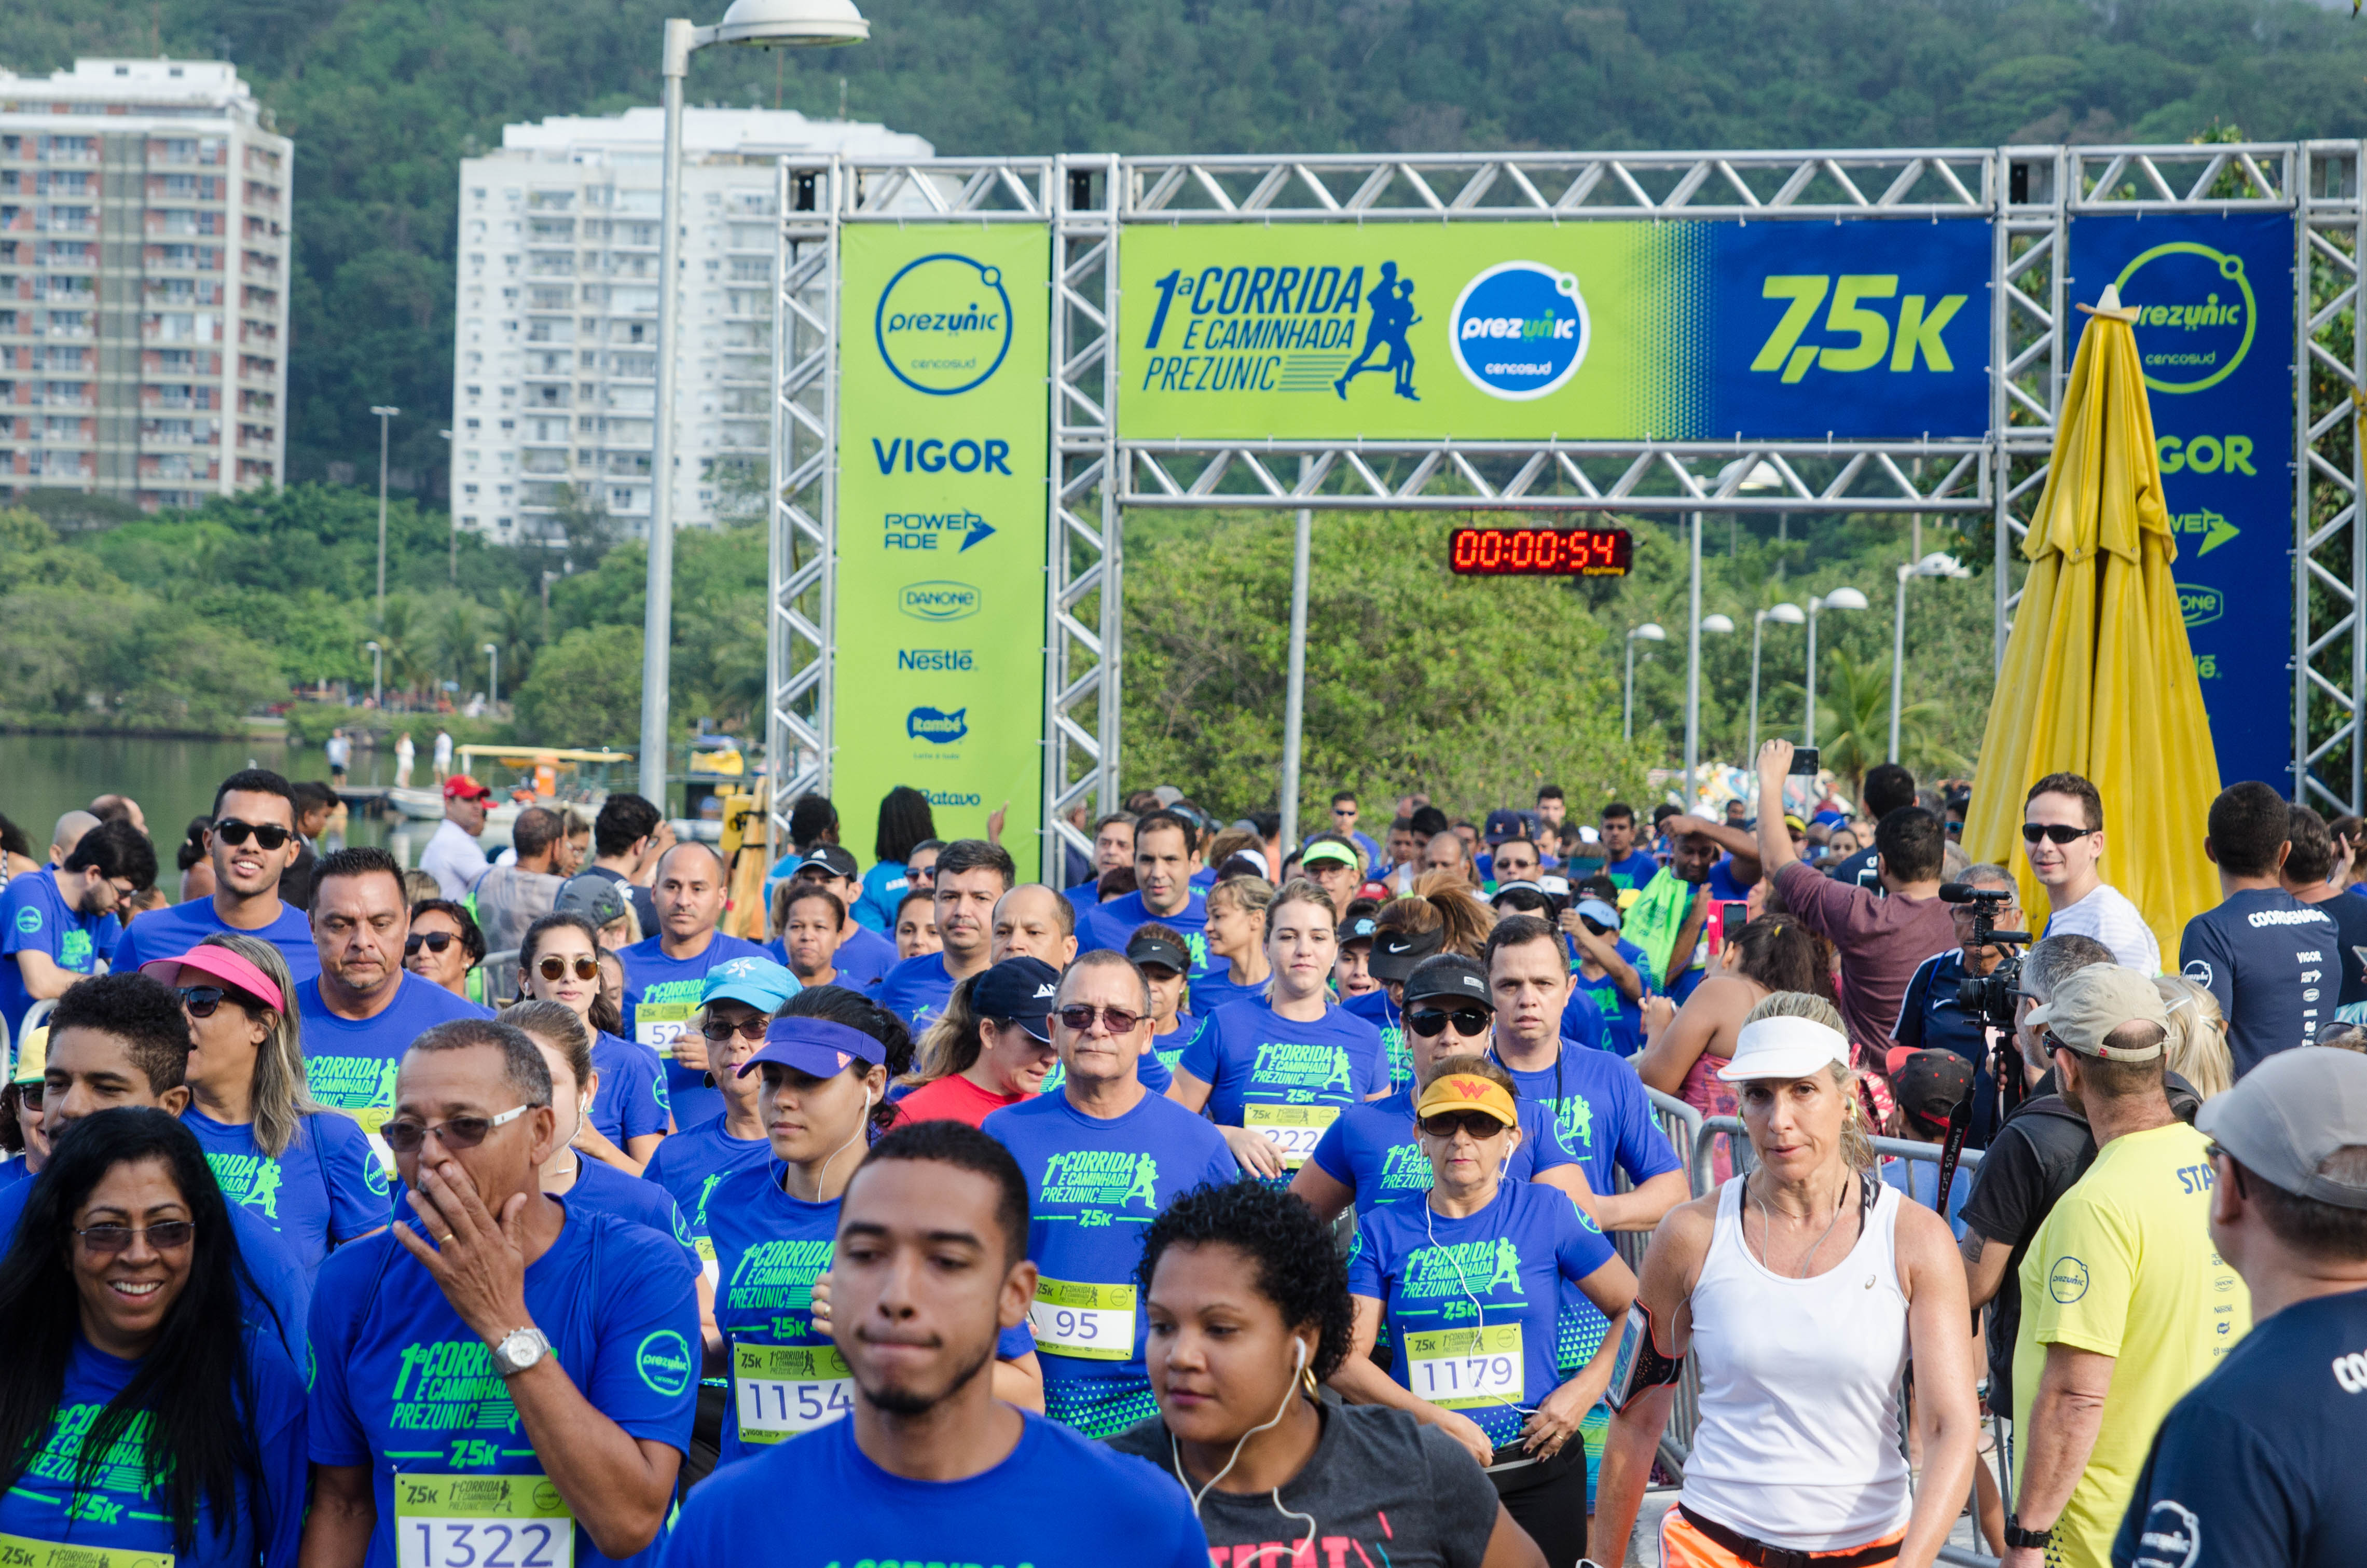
(2213,1152)
(434,941)
(165,1236)
(1079,1019)
(1447,1123)
(746,1029)
(2054,832)
(1467,1021)
(459,1132)
(200,1001)
(271,835)
(552,966)
(29,1092)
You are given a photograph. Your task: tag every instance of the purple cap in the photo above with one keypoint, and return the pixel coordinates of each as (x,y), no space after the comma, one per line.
(816,1047)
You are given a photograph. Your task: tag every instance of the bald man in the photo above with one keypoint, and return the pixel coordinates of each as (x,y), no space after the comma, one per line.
(67,834)
(1033,921)
(665,974)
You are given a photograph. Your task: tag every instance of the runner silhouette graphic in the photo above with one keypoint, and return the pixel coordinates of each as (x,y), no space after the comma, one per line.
(1392,305)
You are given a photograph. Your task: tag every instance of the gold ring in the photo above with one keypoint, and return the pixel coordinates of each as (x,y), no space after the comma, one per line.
(445,1239)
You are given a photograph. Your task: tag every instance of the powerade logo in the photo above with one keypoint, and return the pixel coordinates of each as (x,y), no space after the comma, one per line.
(932,724)
(924,530)
(2199,605)
(1519,330)
(939,601)
(944,661)
(2195,314)
(944,323)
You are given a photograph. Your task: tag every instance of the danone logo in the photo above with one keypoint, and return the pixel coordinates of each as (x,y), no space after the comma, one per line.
(663,1360)
(944,323)
(2199,605)
(2196,314)
(939,601)
(929,724)
(1519,330)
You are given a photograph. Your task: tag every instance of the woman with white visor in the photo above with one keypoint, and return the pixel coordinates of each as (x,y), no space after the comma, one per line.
(1803,1289)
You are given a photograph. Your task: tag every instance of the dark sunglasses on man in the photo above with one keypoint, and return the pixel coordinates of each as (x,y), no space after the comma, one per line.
(1468,1022)
(2054,831)
(1078,1018)
(271,835)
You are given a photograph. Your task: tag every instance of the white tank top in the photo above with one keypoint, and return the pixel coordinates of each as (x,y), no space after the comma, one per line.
(1799,1443)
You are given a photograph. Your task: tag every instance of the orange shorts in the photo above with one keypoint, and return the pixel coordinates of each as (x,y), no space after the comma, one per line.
(1681,1546)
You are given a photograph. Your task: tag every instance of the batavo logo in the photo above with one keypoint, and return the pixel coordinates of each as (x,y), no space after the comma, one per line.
(939,601)
(931,724)
(2196,314)
(1519,330)
(944,323)
(2199,605)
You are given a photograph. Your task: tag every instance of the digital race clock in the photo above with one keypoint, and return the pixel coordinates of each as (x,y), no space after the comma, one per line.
(1541,552)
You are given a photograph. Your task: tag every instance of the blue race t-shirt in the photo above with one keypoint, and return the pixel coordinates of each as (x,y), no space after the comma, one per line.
(1623,1020)
(350,1063)
(2272,963)
(1112,924)
(661,996)
(1282,1078)
(1372,1151)
(916,989)
(35,918)
(1168,1048)
(1724,886)
(1376,1008)
(325,1189)
(1581,1021)
(1218,989)
(691,1164)
(282,1297)
(1471,1302)
(1634,872)
(863,960)
(884,887)
(605,1188)
(169,933)
(123,1518)
(786,1379)
(631,1101)
(403,1387)
(1093,1184)
(2259,1464)
(1057,1501)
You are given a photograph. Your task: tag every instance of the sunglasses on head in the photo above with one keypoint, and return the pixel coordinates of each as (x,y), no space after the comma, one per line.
(459,1132)
(1079,1018)
(167,1235)
(746,1029)
(434,941)
(1446,1124)
(2054,831)
(1467,1021)
(552,966)
(268,834)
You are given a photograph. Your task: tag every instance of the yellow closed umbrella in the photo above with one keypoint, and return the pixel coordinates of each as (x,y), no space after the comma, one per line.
(2098,679)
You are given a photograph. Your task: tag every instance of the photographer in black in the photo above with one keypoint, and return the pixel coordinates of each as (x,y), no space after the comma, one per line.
(1934,1016)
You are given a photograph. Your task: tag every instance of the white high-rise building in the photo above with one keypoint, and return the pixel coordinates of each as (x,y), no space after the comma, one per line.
(554,363)
(145,242)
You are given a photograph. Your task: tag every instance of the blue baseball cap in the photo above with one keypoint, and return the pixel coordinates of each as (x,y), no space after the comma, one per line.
(760,983)
(1020,990)
(816,1047)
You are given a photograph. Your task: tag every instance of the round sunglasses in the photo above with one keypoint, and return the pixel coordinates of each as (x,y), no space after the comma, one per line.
(552,967)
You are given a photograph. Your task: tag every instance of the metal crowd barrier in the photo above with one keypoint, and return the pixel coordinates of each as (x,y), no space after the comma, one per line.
(500,971)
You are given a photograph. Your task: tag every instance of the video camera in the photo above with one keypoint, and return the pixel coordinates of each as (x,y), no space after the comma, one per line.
(1991,997)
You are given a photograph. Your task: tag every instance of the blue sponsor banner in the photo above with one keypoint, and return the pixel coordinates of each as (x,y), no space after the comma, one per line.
(2217,339)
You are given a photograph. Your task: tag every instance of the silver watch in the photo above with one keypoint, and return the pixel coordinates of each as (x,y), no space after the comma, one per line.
(518,1350)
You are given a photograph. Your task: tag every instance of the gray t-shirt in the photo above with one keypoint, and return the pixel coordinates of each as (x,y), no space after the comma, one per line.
(1371,1460)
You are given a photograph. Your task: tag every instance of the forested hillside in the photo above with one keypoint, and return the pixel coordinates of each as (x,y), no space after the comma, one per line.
(383,95)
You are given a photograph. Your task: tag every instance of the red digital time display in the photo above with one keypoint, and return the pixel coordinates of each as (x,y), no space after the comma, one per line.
(1542,552)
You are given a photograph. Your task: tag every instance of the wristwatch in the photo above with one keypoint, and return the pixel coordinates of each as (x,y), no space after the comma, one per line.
(519,1349)
(2015,1536)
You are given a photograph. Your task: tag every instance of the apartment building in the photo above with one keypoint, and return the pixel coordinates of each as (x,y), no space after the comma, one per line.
(145,250)
(554,363)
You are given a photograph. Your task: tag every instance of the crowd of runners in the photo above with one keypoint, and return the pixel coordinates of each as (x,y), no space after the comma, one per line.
(1449,1197)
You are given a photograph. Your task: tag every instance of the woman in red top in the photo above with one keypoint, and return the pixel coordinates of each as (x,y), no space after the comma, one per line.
(990,1048)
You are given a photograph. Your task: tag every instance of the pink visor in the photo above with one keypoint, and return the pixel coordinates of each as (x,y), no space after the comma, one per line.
(223,965)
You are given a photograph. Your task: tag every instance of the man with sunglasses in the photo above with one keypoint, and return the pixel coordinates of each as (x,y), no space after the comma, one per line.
(123,1040)
(252,840)
(1101,1156)
(2125,1305)
(363,1009)
(666,971)
(502,1376)
(1345,812)
(2063,835)
(56,923)
(1372,1154)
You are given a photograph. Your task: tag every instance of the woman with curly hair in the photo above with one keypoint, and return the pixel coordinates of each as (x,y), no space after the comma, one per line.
(1248,1311)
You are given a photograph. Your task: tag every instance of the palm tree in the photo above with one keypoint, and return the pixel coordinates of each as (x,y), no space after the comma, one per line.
(459,639)
(409,664)
(1855,699)
(519,626)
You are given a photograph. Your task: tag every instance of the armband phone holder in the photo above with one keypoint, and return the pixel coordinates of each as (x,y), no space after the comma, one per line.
(1640,1365)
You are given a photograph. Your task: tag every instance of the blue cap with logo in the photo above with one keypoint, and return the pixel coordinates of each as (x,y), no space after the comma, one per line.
(1020,990)
(760,983)
(1506,824)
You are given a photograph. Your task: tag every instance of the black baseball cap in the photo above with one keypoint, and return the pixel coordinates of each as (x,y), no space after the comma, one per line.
(1145,950)
(1928,1084)
(832,858)
(1504,825)
(1395,952)
(1018,989)
(1462,982)
(1359,928)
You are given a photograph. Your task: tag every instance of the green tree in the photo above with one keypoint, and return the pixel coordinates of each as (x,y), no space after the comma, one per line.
(585,690)
(1853,710)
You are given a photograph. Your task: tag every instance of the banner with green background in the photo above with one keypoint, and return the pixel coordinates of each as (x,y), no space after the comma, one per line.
(943,454)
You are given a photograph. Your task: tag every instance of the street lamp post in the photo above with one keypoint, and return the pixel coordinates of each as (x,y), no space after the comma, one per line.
(384,414)
(790,24)
(1647,633)
(1783,615)
(1717,625)
(378,675)
(492,677)
(1840,598)
(1936,564)
(453,516)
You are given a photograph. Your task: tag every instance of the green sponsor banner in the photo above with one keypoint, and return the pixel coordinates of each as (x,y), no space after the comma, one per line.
(942,453)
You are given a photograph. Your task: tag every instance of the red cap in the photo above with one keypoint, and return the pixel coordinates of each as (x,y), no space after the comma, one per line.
(223,965)
(461,786)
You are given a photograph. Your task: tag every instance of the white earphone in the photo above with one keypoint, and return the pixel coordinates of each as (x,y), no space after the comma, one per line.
(1175,1452)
